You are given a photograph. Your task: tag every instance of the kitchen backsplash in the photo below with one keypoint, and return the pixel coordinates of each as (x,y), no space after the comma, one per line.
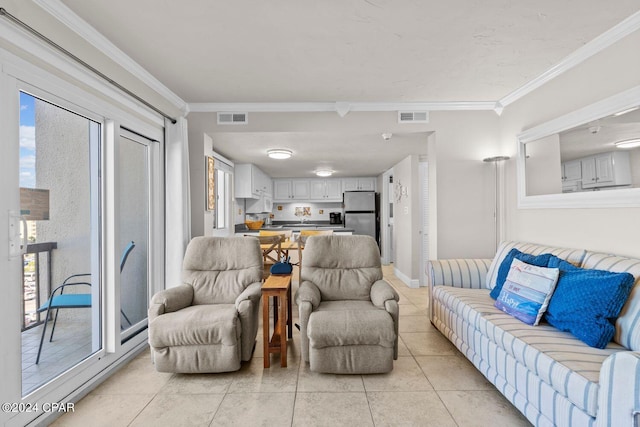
(287,211)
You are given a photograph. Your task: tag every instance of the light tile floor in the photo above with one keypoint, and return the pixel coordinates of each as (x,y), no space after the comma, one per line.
(431,384)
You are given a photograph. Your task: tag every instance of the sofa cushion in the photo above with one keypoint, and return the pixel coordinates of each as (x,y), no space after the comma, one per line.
(196,325)
(574,256)
(568,365)
(340,323)
(527,291)
(538,260)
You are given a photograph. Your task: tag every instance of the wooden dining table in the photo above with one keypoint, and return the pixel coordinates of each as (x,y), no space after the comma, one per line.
(285,246)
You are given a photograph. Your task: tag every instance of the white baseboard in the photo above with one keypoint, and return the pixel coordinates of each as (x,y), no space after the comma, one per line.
(412,283)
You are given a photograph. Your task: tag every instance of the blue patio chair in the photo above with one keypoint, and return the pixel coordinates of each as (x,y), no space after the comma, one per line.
(62,300)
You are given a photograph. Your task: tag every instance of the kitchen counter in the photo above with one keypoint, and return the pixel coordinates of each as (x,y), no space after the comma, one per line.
(297,227)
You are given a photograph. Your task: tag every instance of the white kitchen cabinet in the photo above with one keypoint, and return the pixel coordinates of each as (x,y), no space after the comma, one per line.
(358,184)
(325,190)
(571,176)
(282,189)
(264,204)
(286,190)
(251,182)
(572,170)
(606,170)
(300,189)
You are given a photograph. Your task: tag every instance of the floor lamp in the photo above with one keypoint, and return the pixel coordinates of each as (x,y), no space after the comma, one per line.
(495,160)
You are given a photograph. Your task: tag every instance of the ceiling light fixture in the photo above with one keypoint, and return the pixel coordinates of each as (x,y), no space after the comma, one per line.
(324,172)
(279,153)
(628,143)
(387,136)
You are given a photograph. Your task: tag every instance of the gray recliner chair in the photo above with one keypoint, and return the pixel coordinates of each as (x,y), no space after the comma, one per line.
(210,322)
(348,314)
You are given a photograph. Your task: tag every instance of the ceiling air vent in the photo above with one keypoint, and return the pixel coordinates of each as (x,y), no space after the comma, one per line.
(233,118)
(413,117)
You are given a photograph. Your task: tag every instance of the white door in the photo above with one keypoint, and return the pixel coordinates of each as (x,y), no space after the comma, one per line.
(424,215)
(134,169)
(386,218)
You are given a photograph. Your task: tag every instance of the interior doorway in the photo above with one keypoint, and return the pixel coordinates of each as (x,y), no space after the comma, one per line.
(423,170)
(386,223)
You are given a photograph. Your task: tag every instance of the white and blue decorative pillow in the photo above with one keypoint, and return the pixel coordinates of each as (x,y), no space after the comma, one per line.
(540,260)
(527,290)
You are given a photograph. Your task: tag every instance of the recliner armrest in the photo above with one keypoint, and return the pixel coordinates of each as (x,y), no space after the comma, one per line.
(252,293)
(308,292)
(381,291)
(172,299)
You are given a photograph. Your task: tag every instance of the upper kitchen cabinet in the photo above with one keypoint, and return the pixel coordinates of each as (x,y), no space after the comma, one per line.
(325,190)
(606,170)
(251,182)
(358,184)
(571,176)
(286,190)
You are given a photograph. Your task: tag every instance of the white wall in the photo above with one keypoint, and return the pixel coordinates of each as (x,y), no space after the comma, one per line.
(197,144)
(610,230)
(406,220)
(461,185)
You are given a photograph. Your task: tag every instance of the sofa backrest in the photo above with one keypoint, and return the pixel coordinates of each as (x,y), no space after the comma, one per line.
(342,267)
(628,323)
(220,268)
(574,256)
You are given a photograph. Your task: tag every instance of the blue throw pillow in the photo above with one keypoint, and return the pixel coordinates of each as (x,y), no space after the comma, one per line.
(503,270)
(586,303)
(527,291)
(555,262)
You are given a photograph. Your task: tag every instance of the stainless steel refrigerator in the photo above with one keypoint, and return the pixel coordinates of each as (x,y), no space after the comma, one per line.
(360,212)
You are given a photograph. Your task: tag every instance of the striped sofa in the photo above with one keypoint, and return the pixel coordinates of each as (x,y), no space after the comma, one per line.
(551,377)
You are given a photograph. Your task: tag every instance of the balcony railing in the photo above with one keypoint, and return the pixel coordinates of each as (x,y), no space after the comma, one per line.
(31,286)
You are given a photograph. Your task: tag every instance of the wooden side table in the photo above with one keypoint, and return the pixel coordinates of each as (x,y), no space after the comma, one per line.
(278,287)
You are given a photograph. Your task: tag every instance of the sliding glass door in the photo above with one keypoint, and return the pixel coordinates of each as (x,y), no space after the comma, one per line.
(134,168)
(60,287)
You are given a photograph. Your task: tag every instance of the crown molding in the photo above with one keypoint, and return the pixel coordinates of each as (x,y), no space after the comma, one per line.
(603,41)
(341,108)
(67,17)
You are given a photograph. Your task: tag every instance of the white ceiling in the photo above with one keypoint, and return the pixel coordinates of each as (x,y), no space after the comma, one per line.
(346,153)
(599,136)
(346,51)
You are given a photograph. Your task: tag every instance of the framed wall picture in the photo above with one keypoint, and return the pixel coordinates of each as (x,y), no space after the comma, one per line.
(211,184)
